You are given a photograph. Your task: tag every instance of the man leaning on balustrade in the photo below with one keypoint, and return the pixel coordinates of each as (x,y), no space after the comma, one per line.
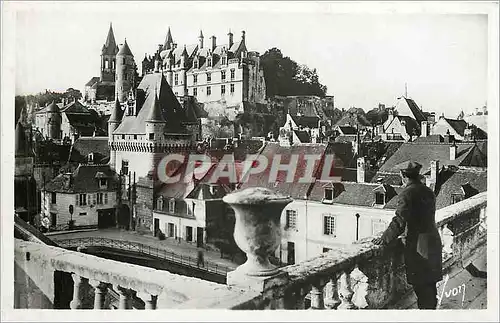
(415,216)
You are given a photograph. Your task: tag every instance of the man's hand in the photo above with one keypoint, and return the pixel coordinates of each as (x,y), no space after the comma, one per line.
(378,241)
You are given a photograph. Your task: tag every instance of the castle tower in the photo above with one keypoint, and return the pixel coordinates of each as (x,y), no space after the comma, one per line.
(125,72)
(108,57)
(168,41)
(184,68)
(114,121)
(170,73)
(155,122)
(54,120)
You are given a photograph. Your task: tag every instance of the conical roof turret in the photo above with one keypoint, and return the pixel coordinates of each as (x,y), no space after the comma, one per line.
(155,113)
(124,50)
(117,113)
(168,40)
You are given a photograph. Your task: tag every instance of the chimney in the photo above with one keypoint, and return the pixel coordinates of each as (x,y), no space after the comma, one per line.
(243,36)
(361,170)
(453,151)
(425,129)
(433,177)
(230,35)
(200,40)
(214,42)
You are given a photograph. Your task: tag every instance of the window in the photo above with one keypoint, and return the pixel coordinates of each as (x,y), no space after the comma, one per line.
(455,198)
(378,226)
(209,77)
(53,198)
(176,79)
(99,198)
(53,219)
(83,199)
(195,79)
(103,182)
(93,199)
(123,61)
(171,206)
(209,90)
(379,198)
(105,198)
(232,88)
(328,194)
(82,213)
(329,225)
(159,203)
(195,92)
(209,62)
(123,136)
(171,230)
(224,60)
(223,75)
(291,219)
(135,137)
(232,74)
(90,157)
(125,167)
(189,233)
(195,66)
(151,136)
(222,89)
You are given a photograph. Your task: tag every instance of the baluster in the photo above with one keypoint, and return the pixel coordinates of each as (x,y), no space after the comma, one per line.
(76,303)
(346,292)
(125,297)
(317,301)
(100,291)
(332,299)
(149,300)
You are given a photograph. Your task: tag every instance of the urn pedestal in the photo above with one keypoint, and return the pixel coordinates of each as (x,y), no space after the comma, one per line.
(257,232)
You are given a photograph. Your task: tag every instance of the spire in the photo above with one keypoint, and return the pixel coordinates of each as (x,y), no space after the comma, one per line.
(201,34)
(155,113)
(184,52)
(168,40)
(117,113)
(110,44)
(125,50)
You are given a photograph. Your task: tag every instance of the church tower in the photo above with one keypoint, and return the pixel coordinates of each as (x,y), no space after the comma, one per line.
(125,72)
(108,57)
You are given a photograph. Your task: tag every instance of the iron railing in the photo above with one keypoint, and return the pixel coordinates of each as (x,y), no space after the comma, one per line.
(145,249)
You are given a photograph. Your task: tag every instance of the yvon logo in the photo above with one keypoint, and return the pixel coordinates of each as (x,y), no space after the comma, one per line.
(452,292)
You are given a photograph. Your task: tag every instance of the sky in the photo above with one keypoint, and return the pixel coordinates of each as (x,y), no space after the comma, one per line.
(363,58)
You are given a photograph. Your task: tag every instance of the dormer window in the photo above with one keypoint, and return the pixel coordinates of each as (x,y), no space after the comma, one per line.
(90,158)
(195,64)
(379,198)
(159,203)
(209,62)
(171,206)
(224,60)
(103,183)
(328,194)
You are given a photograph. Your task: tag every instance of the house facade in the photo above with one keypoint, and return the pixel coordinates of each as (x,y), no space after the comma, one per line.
(90,192)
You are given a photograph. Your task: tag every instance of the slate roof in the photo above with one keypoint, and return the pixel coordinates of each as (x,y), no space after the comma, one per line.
(358,194)
(348,130)
(306,121)
(458,125)
(83,180)
(124,50)
(170,108)
(93,81)
(424,153)
(83,146)
(353,119)
(429,139)
(303,136)
(75,107)
(411,126)
(408,107)
(450,182)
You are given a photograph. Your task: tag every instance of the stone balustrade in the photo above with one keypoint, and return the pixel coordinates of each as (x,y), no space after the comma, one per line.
(89,279)
(361,275)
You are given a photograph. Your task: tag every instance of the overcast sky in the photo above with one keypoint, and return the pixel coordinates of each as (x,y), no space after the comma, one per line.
(363,59)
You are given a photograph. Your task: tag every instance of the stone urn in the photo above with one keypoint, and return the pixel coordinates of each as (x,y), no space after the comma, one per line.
(257,229)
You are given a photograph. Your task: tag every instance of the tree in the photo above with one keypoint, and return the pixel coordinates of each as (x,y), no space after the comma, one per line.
(72,93)
(285,77)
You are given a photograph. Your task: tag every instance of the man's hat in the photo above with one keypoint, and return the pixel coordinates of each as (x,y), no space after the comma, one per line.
(411,168)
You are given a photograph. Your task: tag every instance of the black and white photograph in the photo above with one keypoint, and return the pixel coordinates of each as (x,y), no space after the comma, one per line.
(274,157)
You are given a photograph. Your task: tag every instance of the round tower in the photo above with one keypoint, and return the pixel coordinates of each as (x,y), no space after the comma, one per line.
(125,72)
(54,120)
(183,73)
(114,121)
